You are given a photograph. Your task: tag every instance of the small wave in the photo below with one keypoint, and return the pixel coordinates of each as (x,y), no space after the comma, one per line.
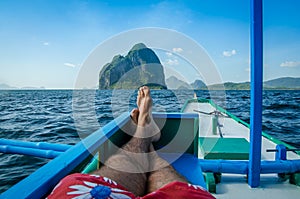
(48,116)
(66,130)
(282,106)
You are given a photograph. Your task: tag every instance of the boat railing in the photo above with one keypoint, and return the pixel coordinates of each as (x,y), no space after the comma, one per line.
(75,158)
(39,183)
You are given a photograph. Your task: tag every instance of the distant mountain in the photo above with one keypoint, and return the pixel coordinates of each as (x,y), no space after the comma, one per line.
(230,86)
(198,84)
(174,83)
(280,83)
(275,84)
(139,67)
(6,87)
(33,88)
(142,66)
(284,83)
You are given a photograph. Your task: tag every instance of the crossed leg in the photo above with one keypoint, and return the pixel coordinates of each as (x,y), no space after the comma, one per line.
(130,166)
(162,173)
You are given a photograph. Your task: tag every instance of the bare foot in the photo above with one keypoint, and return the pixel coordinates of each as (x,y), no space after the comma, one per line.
(138,99)
(135,115)
(144,102)
(145,120)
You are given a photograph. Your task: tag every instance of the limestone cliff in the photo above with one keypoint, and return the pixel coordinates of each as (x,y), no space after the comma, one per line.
(140,66)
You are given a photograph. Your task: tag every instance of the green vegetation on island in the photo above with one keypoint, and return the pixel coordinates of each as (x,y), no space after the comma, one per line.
(140,66)
(284,83)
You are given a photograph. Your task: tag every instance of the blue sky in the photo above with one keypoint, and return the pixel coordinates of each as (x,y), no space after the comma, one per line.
(44,43)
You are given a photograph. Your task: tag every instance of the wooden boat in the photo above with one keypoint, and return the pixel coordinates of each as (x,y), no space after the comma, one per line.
(81,157)
(224,136)
(208,145)
(204,142)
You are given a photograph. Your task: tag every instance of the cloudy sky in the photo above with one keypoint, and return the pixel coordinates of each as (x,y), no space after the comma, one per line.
(44,43)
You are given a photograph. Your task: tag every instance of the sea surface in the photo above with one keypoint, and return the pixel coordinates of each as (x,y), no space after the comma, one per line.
(66,116)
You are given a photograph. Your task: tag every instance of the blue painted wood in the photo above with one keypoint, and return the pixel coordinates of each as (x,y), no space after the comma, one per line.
(49,154)
(242,167)
(35,145)
(175,115)
(38,184)
(192,167)
(187,165)
(256,93)
(44,179)
(281,152)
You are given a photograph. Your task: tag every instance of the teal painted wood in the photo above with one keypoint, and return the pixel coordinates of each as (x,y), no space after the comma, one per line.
(92,166)
(224,148)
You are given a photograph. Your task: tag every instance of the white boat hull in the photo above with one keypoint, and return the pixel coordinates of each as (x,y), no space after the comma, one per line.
(233,185)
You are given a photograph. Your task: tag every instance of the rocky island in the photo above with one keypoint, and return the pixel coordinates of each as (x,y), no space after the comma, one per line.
(140,66)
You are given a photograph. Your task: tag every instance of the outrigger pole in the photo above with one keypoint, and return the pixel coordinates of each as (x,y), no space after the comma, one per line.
(256,49)
(37,149)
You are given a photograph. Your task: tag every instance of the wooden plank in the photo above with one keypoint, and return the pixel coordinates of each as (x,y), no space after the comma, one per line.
(224,148)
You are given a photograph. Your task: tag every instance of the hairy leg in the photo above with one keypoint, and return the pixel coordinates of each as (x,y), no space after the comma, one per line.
(162,173)
(128,169)
(130,165)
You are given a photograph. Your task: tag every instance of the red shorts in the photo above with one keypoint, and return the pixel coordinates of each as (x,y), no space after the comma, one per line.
(85,186)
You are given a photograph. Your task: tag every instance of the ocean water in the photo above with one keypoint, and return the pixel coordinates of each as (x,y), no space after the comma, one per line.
(66,116)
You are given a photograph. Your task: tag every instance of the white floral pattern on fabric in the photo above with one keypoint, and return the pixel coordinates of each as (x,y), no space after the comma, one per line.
(110,181)
(96,176)
(85,191)
(196,187)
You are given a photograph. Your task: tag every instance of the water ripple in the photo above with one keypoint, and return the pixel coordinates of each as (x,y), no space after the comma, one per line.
(48,115)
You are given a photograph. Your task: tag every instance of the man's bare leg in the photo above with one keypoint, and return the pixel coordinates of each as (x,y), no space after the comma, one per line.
(162,173)
(129,166)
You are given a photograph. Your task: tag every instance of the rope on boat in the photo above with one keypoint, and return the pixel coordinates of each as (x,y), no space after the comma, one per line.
(216,114)
(213,113)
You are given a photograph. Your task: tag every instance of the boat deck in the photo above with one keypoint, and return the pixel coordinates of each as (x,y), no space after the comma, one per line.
(234,185)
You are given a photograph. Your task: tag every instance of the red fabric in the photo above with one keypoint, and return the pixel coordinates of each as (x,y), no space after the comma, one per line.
(179,190)
(83,186)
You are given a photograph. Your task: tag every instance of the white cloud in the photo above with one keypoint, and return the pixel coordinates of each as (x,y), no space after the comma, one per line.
(290,64)
(229,53)
(46,43)
(177,50)
(169,54)
(70,65)
(171,62)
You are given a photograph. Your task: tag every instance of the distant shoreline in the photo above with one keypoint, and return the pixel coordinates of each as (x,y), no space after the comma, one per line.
(87,89)
(284,83)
